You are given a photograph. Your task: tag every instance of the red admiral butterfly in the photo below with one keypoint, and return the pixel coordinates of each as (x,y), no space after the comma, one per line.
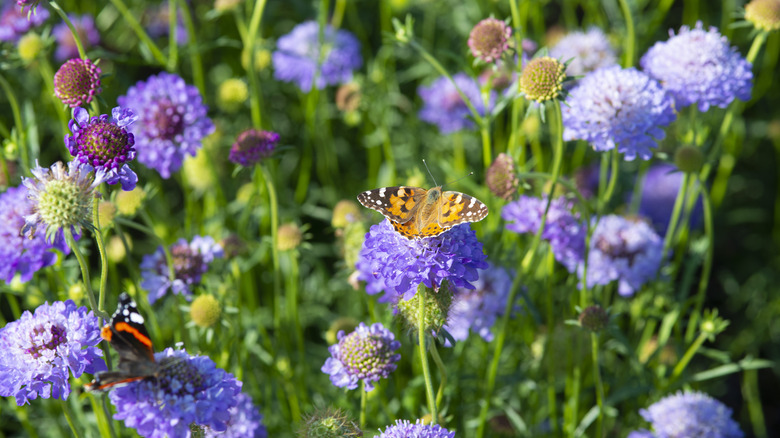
(127,334)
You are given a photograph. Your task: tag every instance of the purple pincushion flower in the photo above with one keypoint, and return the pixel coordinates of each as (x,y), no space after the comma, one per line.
(405,429)
(699,66)
(252,146)
(41,350)
(689,414)
(478,309)
(66,44)
(245,421)
(444,107)
(104,143)
(659,193)
(623,250)
(190,261)
(14,22)
(77,82)
(396,265)
(187,391)
(366,354)
(172,121)
(21,254)
(298,55)
(563,228)
(614,107)
(588,51)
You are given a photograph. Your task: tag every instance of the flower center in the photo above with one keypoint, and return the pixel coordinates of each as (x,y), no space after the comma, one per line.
(166,120)
(618,251)
(179,377)
(364,356)
(59,204)
(105,144)
(58,337)
(188,265)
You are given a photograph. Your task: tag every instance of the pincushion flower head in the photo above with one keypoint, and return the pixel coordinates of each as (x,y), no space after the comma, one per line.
(588,51)
(563,229)
(66,44)
(188,392)
(764,14)
(367,354)
(104,143)
(190,261)
(42,349)
(14,22)
(396,265)
(699,66)
(20,254)
(298,59)
(542,79)
(489,39)
(625,251)
(477,310)
(253,146)
(77,82)
(659,192)
(618,108)
(62,198)
(689,414)
(444,107)
(172,121)
(245,421)
(405,429)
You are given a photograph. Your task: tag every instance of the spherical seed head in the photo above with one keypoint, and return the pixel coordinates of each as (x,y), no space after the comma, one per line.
(437,307)
(348,97)
(689,159)
(289,237)
(344,213)
(489,39)
(77,82)
(232,94)
(501,178)
(29,46)
(542,79)
(128,203)
(594,318)
(62,198)
(253,146)
(764,14)
(205,310)
(329,423)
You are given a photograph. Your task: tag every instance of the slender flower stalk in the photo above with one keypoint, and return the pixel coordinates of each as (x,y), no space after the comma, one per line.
(421,341)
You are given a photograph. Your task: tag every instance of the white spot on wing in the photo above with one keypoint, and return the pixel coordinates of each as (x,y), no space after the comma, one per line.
(473,201)
(382,192)
(378,202)
(136,318)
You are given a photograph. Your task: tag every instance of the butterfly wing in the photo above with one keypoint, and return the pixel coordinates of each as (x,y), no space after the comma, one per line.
(397,203)
(457,208)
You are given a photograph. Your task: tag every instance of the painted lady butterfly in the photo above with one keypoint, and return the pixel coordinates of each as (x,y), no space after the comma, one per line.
(416,213)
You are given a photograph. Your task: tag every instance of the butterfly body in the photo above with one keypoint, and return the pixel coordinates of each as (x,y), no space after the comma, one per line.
(128,336)
(418,213)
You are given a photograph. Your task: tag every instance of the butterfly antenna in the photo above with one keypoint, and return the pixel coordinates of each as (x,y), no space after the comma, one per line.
(429,173)
(453,182)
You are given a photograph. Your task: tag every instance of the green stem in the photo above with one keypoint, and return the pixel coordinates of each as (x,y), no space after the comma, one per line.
(678,370)
(249,55)
(613,174)
(594,344)
(675,217)
(198,78)
(442,370)
(131,21)
(752,394)
(487,154)
(338,13)
(73,31)
(630,42)
(272,200)
(103,259)
(173,46)
(20,131)
(363,397)
(84,273)
(421,338)
(69,417)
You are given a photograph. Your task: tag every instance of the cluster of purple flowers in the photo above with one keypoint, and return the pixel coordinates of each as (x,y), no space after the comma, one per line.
(688,414)
(477,309)
(14,22)
(367,354)
(587,51)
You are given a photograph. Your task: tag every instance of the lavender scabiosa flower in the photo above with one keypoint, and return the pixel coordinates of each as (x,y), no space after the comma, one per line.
(614,107)
(588,51)
(62,199)
(297,56)
(188,391)
(367,354)
(77,82)
(623,250)
(489,39)
(563,228)
(14,22)
(699,66)
(66,44)
(444,107)
(659,192)
(190,261)
(157,23)
(478,309)
(689,414)
(19,254)
(41,350)
(405,429)
(104,143)
(172,121)
(396,265)
(245,421)
(253,146)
